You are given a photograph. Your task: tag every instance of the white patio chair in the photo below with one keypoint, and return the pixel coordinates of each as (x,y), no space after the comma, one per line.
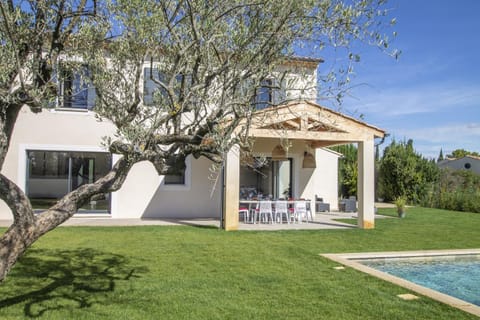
(245,212)
(265,212)
(281,209)
(309,211)
(300,210)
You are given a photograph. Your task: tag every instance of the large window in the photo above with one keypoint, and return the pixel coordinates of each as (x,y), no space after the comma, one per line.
(269,93)
(264,96)
(76,91)
(53,174)
(282,178)
(266,178)
(181,181)
(151,88)
(149,85)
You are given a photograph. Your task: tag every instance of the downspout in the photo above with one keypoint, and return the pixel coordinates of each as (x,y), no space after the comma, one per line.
(222,196)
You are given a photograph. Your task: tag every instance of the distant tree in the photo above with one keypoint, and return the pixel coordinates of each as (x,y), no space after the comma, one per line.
(460,153)
(347,169)
(440,156)
(405,173)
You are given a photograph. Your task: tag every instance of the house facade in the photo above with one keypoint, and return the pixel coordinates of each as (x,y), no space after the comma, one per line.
(56,151)
(469,163)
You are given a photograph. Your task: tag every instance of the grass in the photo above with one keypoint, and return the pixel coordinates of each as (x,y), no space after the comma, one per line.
(203,273)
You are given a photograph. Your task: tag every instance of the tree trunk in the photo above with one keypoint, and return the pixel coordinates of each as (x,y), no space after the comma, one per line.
(28,228)
(8,117)
(13,244)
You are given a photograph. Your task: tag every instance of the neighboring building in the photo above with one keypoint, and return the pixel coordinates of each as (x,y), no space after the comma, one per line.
(469,163)
(54,152)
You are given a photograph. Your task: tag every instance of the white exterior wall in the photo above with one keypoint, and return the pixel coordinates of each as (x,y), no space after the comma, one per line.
(145,196)
(50,130)
(300,83)
(323,180)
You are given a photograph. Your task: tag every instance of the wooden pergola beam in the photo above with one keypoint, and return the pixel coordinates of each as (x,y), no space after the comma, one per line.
(308,135)
(320,127)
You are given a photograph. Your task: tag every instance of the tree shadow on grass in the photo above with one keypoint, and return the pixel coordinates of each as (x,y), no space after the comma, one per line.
(46,280)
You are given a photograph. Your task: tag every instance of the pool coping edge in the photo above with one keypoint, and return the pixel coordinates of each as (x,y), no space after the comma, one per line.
(346,259)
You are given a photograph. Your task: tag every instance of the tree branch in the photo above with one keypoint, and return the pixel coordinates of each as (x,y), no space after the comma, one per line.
(17,201)
(68,205)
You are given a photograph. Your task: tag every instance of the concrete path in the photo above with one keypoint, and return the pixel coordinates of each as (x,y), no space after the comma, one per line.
(321,221)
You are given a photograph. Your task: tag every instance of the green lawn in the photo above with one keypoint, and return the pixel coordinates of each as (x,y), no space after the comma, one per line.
(204,273)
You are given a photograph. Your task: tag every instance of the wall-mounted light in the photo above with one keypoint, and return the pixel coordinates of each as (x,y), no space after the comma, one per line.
(308,161)
(279,153)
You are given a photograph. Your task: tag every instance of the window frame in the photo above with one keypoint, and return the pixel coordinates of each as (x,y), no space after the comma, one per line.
(275,91)
(22,170)
(149,84)
(265,88)
(79,85)
(186,185)
(147,97)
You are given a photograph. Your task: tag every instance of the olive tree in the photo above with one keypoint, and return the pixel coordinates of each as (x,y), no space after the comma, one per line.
(205,58)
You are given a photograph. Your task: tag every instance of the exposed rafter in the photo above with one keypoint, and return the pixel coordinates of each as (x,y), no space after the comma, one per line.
(309,121)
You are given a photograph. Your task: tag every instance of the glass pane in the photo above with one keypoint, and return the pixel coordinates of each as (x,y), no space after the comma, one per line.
(53,174)
(150,88)
(76,90)
(273,179)
(47,178)
(283,178)
(263,98)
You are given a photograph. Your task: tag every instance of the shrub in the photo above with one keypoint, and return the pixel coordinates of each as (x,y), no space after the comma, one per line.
(405,173)
(455,190)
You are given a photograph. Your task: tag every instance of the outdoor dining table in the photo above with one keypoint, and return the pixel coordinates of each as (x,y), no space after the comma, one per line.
(253,204)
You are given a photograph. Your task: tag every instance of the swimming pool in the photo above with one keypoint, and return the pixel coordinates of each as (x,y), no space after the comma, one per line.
(449,276)
(457,276)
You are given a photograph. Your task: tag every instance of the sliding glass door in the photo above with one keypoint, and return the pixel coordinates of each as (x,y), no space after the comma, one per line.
(282,179)
(265,178)
(53,174)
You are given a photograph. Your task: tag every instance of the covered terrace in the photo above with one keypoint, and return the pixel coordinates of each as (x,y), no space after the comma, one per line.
(302,127)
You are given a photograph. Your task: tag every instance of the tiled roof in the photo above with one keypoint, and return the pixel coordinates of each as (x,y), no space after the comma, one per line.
(306,59)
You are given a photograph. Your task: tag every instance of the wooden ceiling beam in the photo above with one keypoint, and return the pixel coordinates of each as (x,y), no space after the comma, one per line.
(309,135)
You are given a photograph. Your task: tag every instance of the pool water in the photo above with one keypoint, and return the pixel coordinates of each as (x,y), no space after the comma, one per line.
(458,277)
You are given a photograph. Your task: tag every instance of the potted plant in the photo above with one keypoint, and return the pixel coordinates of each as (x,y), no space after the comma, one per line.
(400,203)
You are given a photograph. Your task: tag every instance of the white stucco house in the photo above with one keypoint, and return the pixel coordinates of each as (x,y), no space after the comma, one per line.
(469,163)
(56,151)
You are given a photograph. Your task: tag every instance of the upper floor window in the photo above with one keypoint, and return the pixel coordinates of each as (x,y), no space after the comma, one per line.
(264,95)
(76,91)
(269,93)
(181,181)
(151,77)
(149,85)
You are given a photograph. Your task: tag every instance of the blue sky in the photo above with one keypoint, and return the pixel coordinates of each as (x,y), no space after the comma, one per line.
(431,94)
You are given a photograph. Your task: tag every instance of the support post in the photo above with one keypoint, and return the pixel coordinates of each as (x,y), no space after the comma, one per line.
(232,189)
(366,184)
